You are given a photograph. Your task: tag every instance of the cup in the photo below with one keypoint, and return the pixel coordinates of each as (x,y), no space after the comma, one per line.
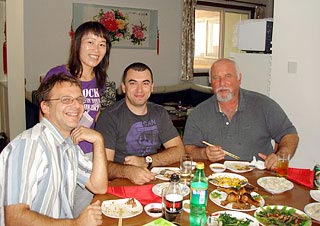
(283,164)
(185,169)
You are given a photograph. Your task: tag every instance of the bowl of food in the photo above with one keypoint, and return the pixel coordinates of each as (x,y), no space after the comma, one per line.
(217,167)
(154,209)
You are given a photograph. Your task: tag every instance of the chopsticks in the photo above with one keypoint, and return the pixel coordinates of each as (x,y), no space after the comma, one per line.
(227,153)
(120,217)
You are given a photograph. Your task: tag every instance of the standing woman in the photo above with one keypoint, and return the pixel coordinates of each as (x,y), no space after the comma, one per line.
(89,61)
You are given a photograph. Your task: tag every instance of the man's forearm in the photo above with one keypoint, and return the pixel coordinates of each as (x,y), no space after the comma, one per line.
(168,156)
(99,175)
(116,170)
(197,153)
(289,144)
(21,215)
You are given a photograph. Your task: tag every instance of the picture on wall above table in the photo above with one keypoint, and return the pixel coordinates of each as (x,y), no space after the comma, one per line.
(128,27)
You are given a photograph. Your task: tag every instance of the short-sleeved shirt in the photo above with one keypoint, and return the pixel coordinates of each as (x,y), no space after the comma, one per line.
(138,135)
(257,121)
(40,168)
(92,103)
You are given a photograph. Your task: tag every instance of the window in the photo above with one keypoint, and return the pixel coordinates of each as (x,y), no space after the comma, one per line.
(214,29)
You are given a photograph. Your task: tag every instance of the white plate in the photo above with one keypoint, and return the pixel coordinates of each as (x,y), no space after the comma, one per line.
(227,180)
(313,210)
(315,194)
(238,166)
(218,200)
(238,215)
(111,208)
(157,189)
(275,185)
(276,207)
(164,173)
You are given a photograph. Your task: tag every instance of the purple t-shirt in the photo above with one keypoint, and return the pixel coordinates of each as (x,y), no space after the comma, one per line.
(92,103)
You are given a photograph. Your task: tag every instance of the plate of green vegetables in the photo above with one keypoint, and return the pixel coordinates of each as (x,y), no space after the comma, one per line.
(281,215)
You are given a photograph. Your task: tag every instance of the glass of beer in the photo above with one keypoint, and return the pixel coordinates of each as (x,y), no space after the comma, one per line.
(185,169)
(283,164)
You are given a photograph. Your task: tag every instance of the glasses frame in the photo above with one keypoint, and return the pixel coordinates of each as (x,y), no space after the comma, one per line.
(69,99)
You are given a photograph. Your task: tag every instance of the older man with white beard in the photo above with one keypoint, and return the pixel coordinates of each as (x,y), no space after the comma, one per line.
(240,121)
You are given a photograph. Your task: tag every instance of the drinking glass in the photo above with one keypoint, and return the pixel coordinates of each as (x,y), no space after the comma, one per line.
(283,164)
(185,169)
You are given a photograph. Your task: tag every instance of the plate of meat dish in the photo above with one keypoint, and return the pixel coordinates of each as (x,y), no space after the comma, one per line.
(281,215)
(164,173)
(243,199)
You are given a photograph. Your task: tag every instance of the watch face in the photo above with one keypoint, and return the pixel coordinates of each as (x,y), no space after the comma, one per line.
(148,159)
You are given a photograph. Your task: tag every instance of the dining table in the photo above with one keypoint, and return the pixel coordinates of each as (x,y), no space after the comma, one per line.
(298,197)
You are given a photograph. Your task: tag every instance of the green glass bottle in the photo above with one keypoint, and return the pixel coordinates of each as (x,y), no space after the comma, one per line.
(198,197)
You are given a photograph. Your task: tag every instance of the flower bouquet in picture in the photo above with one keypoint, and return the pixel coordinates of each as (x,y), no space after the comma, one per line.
(115,22)
(137,35)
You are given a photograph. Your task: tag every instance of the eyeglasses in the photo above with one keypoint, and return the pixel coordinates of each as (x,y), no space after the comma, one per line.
(69,99)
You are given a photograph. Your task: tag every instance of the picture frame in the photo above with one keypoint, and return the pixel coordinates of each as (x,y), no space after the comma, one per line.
(128,27)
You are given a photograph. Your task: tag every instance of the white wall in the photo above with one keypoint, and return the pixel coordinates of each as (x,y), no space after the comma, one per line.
(47,41)
(296,38)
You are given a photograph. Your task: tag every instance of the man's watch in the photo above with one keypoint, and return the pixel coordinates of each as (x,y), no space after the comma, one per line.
(148,160)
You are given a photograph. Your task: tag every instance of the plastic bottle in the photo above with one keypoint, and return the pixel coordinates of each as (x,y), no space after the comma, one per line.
(198,197)
(173,200)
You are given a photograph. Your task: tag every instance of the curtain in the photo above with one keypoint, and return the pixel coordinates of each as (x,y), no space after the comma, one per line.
(188,30)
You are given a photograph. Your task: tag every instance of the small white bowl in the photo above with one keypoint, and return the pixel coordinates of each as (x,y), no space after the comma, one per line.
(217,167)
(154,210)
(186,205)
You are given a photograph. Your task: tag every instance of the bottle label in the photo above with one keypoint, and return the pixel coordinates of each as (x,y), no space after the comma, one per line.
(199,196)
(173,203)
(173,206)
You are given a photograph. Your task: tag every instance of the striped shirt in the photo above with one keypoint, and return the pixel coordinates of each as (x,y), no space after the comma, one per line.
(41,168)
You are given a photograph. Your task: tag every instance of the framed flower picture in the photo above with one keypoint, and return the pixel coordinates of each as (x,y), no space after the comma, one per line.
(128,27)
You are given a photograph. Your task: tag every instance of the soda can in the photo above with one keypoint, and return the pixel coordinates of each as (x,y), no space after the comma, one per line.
(316,179)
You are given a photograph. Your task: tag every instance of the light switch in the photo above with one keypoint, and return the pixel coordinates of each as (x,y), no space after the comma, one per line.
(292,67)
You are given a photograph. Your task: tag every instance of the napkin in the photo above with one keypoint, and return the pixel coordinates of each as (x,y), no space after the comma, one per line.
(142,193)
(301,176)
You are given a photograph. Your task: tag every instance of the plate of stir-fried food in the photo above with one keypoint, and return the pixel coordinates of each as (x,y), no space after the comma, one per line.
(233,218)
(281,215)
(228,180)
(242,199)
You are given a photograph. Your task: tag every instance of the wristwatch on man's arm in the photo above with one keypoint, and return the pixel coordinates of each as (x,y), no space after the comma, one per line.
(148,160)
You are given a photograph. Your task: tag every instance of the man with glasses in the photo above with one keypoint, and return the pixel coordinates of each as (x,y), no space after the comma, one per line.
(237,120)
(134,130)
(40,168)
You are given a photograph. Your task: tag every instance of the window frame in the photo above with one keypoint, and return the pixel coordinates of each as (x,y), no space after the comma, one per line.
(224,8)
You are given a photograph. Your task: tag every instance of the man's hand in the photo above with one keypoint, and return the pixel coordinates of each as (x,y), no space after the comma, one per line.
(214,153)
(140,175)
(270,161)
(87,134)
(91,215)
(135,161)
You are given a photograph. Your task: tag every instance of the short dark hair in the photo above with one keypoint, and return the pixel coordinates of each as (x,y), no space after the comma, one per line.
(74,62)
(137,66)
(45,87)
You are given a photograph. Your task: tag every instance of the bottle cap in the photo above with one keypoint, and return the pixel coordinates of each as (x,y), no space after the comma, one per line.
(174,177)
(200,165)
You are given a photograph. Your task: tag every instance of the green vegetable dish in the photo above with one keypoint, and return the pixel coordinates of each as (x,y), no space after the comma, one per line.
(281,216)
(226,219)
